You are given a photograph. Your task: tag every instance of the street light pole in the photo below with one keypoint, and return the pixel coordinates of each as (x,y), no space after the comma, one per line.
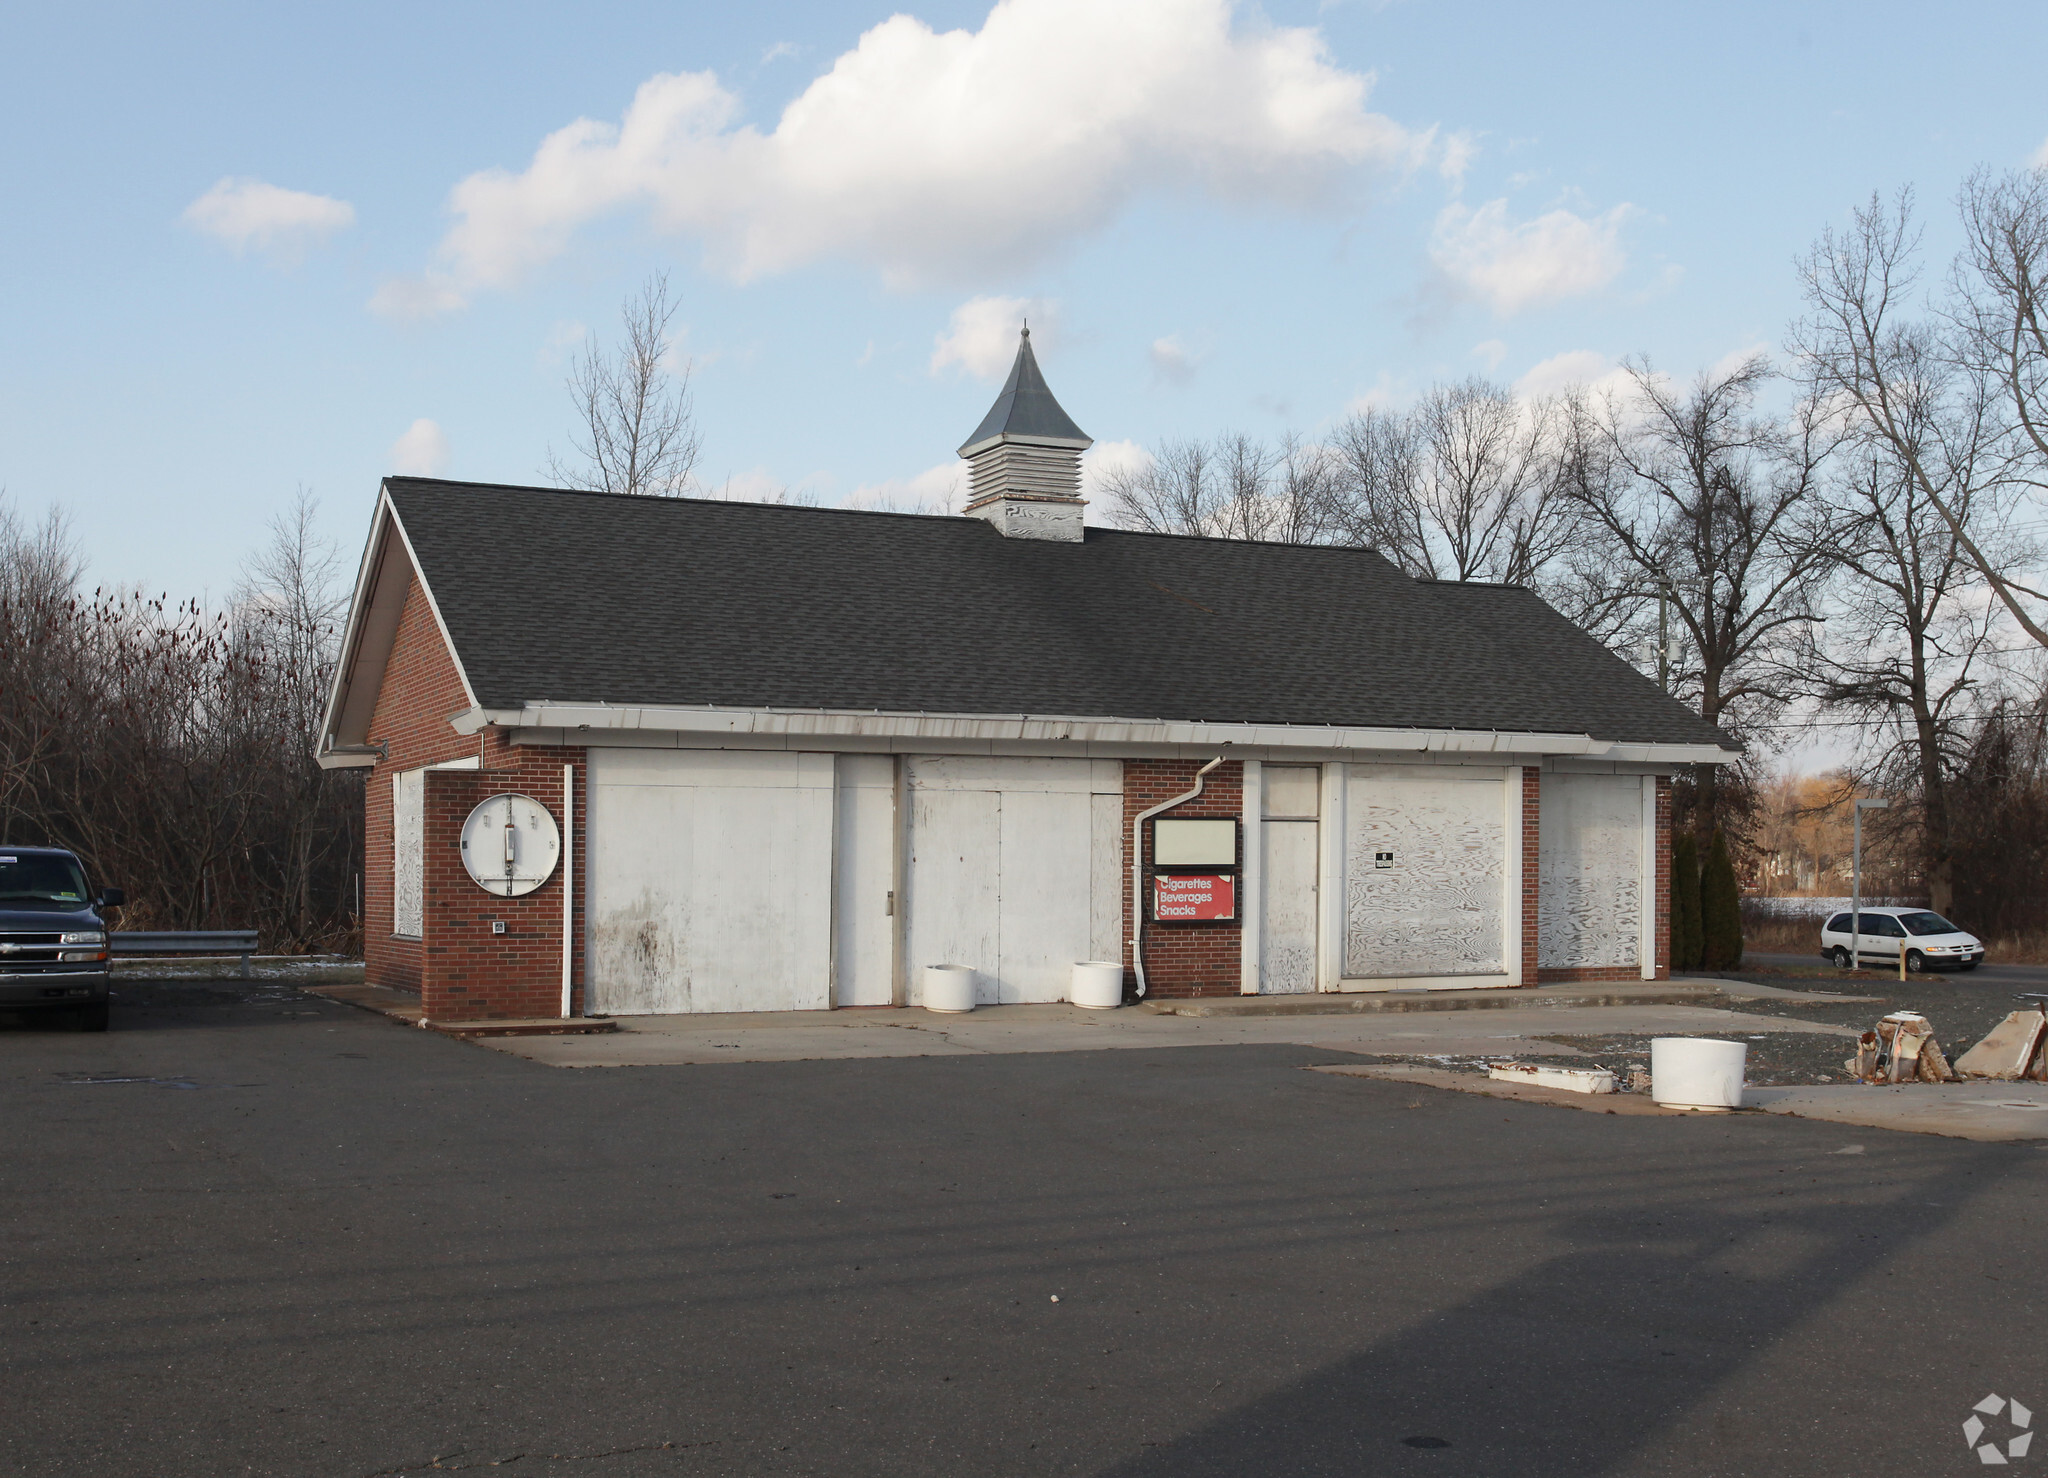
(1856,881)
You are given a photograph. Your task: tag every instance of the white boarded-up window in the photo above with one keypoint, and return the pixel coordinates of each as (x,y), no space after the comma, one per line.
(1589,870)
(1424,863)
(409,854)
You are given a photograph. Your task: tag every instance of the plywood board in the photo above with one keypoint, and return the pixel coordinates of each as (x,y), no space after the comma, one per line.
(1287,881)
(1589,868)
(864,877)
(1106,877)
(954,885)
(711,881)
(408,854)
(1046,904)
(1424,868)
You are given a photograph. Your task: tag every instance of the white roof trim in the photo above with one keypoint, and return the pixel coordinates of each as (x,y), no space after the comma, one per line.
(1039,728)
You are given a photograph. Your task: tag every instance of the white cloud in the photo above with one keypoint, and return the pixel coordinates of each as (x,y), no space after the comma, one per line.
(931,156)
(415,297)
(2040,159)
(1171,363)
(1097,463)
(422,451)
(778,51)
(1387,394)
(940,489)
(981,337)
(248,214)
(1513,266)
(1490,352)
(1456,158)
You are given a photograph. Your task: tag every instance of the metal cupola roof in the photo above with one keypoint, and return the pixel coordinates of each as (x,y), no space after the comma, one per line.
(1026,410)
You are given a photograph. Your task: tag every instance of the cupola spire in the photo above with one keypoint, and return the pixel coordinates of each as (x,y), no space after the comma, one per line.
(1024,459)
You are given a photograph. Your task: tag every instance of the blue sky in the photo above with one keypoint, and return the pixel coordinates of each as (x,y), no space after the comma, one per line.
(1226,219)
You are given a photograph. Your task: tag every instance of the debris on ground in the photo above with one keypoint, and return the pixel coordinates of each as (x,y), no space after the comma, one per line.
(1900,1049)
(1571,1079)
(2012,1049)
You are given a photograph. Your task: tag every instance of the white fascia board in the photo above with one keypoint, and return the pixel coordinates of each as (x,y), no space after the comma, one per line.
(345,761)
(352,629)
(823,725)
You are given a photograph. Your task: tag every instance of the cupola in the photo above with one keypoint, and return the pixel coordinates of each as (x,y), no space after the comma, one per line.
(1024,459)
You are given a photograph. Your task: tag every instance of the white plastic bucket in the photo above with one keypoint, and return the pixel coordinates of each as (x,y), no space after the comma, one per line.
(1098,984)
(948,988)
(1697,1072)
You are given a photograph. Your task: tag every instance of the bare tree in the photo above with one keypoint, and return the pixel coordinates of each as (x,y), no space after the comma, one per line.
(636,429)
(1900,647)
(1929,390)
(1698,497)
(1468,485)
(1232,488)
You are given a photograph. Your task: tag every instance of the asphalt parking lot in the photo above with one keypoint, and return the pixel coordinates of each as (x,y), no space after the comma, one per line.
(252,1231)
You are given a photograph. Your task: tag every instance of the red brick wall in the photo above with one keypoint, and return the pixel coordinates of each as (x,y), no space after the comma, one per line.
(420,692)
(461,970)
(1183,960)
(470,973)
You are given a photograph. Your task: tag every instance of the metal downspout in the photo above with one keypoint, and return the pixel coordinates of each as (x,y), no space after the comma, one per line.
(1138,869)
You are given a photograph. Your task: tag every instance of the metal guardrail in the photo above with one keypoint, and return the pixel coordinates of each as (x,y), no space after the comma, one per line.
(136,943)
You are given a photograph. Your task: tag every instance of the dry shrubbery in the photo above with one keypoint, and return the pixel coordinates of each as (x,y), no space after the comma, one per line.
(172,748)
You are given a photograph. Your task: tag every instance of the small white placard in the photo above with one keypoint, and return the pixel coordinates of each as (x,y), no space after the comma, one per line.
(1194,843)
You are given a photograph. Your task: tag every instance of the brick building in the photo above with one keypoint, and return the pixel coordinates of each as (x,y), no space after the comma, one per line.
(778,758)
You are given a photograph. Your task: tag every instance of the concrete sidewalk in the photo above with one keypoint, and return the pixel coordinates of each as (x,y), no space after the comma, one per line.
(794,1036)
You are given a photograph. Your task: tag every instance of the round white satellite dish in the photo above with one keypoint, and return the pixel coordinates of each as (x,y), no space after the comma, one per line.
(510,845)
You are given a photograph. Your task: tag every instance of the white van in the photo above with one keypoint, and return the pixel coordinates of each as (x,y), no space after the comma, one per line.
(1930,941)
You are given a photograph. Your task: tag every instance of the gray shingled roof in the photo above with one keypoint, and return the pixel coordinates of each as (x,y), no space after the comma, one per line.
(1025,406)
(591,597)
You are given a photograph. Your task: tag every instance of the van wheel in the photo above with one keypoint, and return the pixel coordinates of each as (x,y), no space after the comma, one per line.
(1916,962)
(1841,958)
(92,1018)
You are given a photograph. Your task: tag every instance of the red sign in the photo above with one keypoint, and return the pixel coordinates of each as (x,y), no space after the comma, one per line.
(1189,899)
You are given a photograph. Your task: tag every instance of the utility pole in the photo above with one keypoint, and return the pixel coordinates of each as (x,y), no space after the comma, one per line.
(1856,881)
(1663,634)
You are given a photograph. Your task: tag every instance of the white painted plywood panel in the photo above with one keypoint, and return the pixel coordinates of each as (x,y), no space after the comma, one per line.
(1436,908)
(774,769)
(1589,869)
(1288,863)
(996,772)
(1047,903)
(864,957)
(1293,791)
(710,896)
(953,885)
(1106,876)
(408,854)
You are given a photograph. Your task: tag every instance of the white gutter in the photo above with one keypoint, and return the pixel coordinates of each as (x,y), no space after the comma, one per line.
(1138,870)
(825,724)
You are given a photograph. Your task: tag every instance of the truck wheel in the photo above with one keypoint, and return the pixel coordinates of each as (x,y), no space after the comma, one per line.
(93,1018)
(1840,957)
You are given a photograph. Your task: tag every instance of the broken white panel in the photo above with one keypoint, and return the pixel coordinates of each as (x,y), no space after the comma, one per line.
(1424,872)
(864,881)
(1589,870)
(1570,1079)
(409,854)
(711,880)
(1106,875)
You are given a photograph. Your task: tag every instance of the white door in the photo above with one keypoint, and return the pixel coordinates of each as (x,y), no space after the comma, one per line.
(1425,861)
(1590,867)
(864,882)
(1015,871)
(710,880)
(1289,856)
